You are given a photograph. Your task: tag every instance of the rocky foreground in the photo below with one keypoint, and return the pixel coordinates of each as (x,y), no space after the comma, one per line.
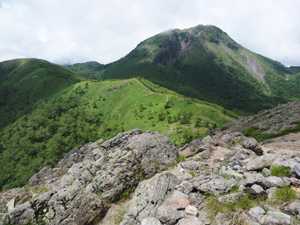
(221,179)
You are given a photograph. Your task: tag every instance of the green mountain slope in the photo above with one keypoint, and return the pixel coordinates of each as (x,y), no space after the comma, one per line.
(205,63)
(24,82)
(92,110)
(86,69)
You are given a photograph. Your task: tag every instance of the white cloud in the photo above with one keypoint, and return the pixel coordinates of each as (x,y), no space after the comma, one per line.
(63,31)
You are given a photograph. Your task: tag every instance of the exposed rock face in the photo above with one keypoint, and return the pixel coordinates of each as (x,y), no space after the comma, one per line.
(148,196)
(92,176)
(73,193)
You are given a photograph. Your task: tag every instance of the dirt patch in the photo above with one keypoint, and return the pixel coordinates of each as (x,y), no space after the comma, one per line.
(113,212)
(287,145)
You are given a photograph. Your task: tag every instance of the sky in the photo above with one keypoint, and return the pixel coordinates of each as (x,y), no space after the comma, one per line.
(72,31)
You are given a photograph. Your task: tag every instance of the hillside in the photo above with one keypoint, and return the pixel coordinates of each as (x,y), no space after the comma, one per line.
(24,82)
(88,111)
(86,70)
(267,124)
(205,63)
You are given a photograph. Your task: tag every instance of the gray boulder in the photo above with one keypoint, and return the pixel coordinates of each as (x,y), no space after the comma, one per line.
(260,162)
(213,184)
(169,215)
(275,218)
(292,209)
(257,189)
(297,171)
(256,213)
(149,196)
(185,187)
(273,181)
(193,165)
(286,161)
(74,193)
(252,144)
(255,178)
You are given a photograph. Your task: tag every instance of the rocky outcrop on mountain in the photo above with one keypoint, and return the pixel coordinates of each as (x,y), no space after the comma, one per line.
(220,179)
(270,121)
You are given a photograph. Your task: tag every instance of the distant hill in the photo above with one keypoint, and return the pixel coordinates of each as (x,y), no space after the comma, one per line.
(86,69)
(205,63)
(24,82)
(88,111)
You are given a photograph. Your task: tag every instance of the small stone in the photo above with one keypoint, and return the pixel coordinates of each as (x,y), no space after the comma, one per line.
(237,167)
(266,171)
(191,210)
(187,176)
(256,213)
(273,181)
(257,189)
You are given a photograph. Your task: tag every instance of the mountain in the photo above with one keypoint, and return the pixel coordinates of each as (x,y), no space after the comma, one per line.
(90,110)
(24,82)
(205,63)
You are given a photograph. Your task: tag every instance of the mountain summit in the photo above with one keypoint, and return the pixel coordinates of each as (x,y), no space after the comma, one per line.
(204,62)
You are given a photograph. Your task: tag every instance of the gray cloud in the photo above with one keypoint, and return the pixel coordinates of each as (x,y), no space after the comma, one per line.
(68,31)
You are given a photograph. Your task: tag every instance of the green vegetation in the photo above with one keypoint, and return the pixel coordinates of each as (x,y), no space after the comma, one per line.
(230,209)
(88,111)
(86,70)
(119,216)
(280,171)
(284,194)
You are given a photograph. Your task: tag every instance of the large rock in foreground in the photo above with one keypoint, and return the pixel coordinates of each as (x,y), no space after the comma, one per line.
(91,176)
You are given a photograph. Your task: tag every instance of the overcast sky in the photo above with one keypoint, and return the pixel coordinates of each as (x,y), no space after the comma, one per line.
(70,31)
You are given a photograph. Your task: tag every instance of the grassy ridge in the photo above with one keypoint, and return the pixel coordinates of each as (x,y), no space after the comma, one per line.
(24,82)
(92,110)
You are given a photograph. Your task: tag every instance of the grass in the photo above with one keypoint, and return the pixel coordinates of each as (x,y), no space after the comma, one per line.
(231,210)
(119,216)
(284,194)
(280,171)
